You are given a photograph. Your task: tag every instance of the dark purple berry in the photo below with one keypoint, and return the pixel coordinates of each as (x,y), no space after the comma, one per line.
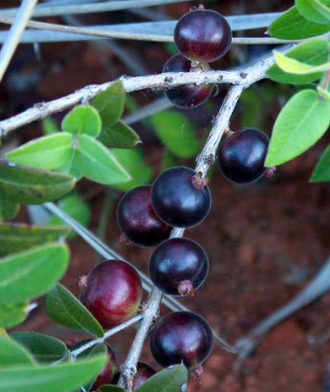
(177,201)
(138,221)
(112,292)
(143,373)
(242,155)
(187,96)
(203,35)
(178,266)
(181,337)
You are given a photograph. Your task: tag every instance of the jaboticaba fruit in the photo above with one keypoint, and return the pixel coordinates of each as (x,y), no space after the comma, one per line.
(177,201)
(112,292)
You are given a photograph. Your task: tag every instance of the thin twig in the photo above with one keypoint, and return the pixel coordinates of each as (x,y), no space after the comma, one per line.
(15,32)
(57,10)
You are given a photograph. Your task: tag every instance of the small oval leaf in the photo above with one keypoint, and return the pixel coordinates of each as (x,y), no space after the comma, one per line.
(12,314)
(23,185)
(12,353)
(293,66)
(314,10)
(83,119)
(44,348)
(48,152)
(119,135)
(168,380)
(32,273)
(65,309)
(65,377)
(15,237)
(300,124)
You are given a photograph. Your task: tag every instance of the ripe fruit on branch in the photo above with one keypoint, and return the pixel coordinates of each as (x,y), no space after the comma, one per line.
(177,201)
(187,96)
(108,372)
(242,155)
(203,35)
(181,337)
(143,373)
(138,221)
(112,293)
(178,266)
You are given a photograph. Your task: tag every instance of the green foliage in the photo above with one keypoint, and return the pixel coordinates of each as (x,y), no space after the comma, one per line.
(98,163)
(12,353)
(23,185)
(44,348)
(168,380)
(135,165)
(15,237)
(110,388)
(169,160)
(301,123)
(292,25)
(314,10)
(322,170)
(83,119)
(74,206)
(119,135)
(8,210)
(65,377)
(49,126)
(64,308)
(32,273)
(292,66)
(48,152)
(176,132)
(313,52)
(12,314)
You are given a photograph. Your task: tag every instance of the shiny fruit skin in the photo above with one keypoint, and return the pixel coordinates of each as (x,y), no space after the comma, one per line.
(178,260)
(138,221)
(113,292)
(143,373)
(187,96)
(177,201)
(181,337)
(242,155)
(107,374)
(203,35)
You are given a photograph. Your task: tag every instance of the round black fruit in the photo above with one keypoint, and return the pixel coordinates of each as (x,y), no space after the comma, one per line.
(181,337)
(177,201)
(138,221)
(203,35)
(178,266)
(241,157)
(187,96)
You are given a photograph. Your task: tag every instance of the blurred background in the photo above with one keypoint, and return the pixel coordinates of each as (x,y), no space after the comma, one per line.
(265,241)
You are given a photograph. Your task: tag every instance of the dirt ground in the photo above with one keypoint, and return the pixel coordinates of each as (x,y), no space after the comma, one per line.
(264,241)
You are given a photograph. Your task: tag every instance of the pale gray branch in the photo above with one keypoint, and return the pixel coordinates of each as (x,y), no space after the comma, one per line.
(14,35)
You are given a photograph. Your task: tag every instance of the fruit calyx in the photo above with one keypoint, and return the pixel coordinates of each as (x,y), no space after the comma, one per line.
(186,289)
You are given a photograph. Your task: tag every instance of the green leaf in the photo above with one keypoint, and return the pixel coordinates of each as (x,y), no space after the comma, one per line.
(292,66)
(44,348)
(292,25)
(15,237)
(83,119)
(65,377)
(322,170)
(49,126)
(71,168)
(168,380)
(110,104)
(48,152)
(12,353)
(12,314)
(135,165)
(169,160)
(64,308)
(176,132)
(74,206)
(313,52)
(110,388)
(32,273)
(8,210)
(314,10)
(119,135)
(98,163)
(31,186)
(301,123)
